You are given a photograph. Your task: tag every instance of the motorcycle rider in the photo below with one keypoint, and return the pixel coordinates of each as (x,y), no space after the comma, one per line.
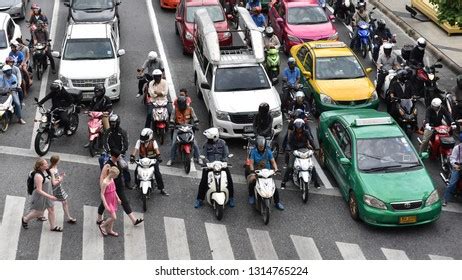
(9,81)
(152,63)
(270,40)
(183,114)
(100,103)
(291,78)
(418,52)
(251,4)
(299,109)
(360,15)
(61,99)
(157,90)
(435,115)
(19,53)
(386,61)
(146,147)
(339,6)
(456,162)
(258,17)
(37,15)
(400,88)
(42,36)
(381,34)
(261,157)
(263,121)
(215,149)
(16,72)
(299,139)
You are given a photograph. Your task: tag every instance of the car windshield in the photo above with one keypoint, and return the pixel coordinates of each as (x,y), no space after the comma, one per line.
(241,78)
(385,154)
(215,12)
(3,40)
(306,15)
(338,67)
(77,49)
(92,4)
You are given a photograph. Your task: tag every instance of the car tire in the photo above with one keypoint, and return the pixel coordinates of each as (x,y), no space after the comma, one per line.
(198,89)
(177,32)
(353,206)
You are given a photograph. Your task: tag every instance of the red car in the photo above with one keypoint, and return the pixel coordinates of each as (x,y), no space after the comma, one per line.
(300,21)
(184,22)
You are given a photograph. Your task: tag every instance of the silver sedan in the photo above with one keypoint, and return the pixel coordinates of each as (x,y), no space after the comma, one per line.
(16,8)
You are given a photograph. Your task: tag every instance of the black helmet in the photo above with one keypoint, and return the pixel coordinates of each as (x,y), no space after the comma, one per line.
(56,86)
(99,90)
(402,75)
(114,121)
(381,24)
(182,105)
(263,109)
(459,81)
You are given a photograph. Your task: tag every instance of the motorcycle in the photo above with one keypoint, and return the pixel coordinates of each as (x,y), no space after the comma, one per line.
(217,194)
(40,59)
(441,145)
(50,127)
(6,110)
(302,173)
(425,81)
(345,12)
(407,114)
(95,132)
(364,37)
(146,178)
(160,119)
(289,91)
(264,191)
(272,63)
(185,140)
(231,15)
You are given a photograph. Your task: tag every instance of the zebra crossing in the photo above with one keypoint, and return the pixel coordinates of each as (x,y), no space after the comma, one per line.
(177,246)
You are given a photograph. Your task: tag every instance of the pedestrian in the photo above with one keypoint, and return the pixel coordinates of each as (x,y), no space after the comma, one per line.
(58,190)
(110,200)
(41,198)
(119,185)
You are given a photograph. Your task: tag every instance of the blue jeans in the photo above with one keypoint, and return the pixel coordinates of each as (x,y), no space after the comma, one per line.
(174,148)
(17,105)
(455,174)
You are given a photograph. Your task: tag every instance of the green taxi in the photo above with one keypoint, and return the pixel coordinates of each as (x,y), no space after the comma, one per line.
(378,171)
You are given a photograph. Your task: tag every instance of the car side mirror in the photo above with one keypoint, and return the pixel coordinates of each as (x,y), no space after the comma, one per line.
(179,19)
(230,155)
(120,52)
(424,155)
(229,16)
(275,81)
(205,86)
(118,3)
(67,4)
(344,161)
(56,54)
(332,18)
(369,70)
(307,74)
(280,21)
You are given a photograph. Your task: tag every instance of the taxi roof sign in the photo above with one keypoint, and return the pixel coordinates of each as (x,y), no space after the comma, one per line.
(329,45)
(373,121)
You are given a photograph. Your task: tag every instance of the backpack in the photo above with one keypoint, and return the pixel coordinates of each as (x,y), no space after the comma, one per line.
(30,181)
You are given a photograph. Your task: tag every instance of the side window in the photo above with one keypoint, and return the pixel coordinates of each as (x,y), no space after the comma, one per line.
(308,62)
(208,75)
(302,54)
(342,138)
(10,29)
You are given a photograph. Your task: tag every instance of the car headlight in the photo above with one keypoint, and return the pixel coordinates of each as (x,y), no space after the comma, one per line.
(223,116)
(293,39)
(112,80)
(226,34)
(432,198)
(188,36)
(325,98)
(374,96)
(333,36)
(64,80)
(374,202)
(275,112)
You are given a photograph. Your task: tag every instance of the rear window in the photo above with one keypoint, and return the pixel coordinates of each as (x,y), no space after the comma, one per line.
(215,12)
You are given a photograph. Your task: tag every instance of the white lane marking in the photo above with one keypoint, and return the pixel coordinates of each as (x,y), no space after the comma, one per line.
(322,175)
(92,241)
(262,245)
(350,251)
(44,81)
(50,241)
(11,227)
(439,258)
(177,241)
(134,239)
(306,248)
(160,46)
(220,246)
(392,254)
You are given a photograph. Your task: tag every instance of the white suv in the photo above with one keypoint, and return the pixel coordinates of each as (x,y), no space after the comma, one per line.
(90,56)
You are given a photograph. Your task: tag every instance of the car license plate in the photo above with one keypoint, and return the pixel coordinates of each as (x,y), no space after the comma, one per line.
(248,128)
(88,94)
(407,219)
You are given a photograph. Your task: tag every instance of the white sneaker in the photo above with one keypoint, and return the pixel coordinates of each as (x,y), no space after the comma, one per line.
(169,162)
(138,95)
(200,161)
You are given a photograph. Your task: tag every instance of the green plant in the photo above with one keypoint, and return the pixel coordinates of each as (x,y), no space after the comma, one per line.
(449,11)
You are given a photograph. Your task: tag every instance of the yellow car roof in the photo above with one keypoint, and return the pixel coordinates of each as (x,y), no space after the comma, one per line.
(329,48)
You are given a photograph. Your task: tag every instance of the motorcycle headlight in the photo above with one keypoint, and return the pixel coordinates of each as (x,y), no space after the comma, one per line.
(223,116)
(374,202)
(112,80)
(431,76)
(275,112)
(217,167)
(432,198)
(325,98)
(188,36)
(333,36)
(64,80)
(44,119)
(374,96)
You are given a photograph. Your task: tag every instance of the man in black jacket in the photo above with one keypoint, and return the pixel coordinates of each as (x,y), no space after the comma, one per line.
(100,103)
(263,122)
(418,52)
(62,99)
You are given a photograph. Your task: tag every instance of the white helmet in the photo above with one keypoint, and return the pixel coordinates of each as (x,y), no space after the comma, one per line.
(212,134)
(146,135)
(387,46)
(157,72)
(299,94)
(421,42)
(436,103)
(6,68)
(152,55)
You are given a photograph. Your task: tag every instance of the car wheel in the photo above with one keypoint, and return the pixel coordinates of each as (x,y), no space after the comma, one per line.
(198,89)
(176,29)
(353,206)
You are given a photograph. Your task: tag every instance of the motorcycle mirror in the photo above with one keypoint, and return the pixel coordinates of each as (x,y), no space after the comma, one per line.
(120,52)
(345,161)
(230,155)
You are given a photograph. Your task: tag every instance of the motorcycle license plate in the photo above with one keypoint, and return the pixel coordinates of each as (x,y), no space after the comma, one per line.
(407,219)
(248,129)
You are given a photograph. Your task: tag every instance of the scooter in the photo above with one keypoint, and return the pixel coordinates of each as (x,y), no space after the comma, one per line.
(364,37)
(272,63)
(95,132)
(160,119)
(264,192)
(145,178)
(217,194)
(425,81)
(185,140)
(441,145)
(6,110)
(303,168)
(407,114)
(40,59)
(289,91)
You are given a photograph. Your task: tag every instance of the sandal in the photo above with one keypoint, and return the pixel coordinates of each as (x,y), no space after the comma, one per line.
(72,221)
(57,229)
(99,222)
(24,224)
(42,219)
(138,221)
(103,232)
(113,233)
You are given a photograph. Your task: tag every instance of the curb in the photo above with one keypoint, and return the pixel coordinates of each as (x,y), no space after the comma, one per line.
(415,35)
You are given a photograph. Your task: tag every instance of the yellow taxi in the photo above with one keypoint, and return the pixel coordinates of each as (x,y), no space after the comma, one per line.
(332,73)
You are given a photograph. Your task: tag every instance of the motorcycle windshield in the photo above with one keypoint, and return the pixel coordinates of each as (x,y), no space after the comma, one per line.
(363,25)
(406,104)
(363,32)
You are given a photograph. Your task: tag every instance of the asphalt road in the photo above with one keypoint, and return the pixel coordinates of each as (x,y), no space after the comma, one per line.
(325,218)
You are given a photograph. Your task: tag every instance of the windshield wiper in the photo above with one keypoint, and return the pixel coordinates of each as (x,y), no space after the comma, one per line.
(256,88)
(382,168)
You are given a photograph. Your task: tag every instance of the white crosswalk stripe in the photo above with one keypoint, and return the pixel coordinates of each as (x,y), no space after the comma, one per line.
(177,241)
(220,246)
(392,254)
(350,251)
(440,258)
(135,239)
(11,227)
(306,248)
(50,241)
(92,241)
(261,244)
